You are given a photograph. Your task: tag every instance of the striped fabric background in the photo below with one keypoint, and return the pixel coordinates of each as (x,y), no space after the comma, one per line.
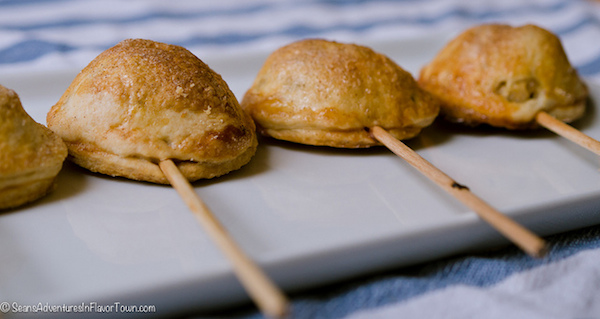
(50,35)
(60,33)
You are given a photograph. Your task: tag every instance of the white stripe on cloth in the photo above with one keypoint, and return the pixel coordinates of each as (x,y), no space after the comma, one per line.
(75,25)
(569,288)
(89,27)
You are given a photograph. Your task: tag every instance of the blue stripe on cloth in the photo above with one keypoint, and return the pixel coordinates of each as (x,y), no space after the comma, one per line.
(5,3)
(463,12)
(34,48)
(189,15)
(480,270)
(588,20)
(301,30)
(590,68)
(30,50)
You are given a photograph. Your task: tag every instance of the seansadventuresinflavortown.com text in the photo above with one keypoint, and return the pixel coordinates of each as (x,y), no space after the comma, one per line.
(89,307)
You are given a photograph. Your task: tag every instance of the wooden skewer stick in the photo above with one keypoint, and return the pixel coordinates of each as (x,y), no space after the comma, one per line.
(565,130)
(269,299)
(525,239)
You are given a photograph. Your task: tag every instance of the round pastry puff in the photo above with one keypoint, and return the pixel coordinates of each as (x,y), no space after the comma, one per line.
(321,92)
(31,156)
(503,76)
(141,102)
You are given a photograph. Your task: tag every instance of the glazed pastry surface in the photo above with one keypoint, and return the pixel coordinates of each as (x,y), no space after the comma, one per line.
(141,102)
(31,156)
(503,76)
(320,92)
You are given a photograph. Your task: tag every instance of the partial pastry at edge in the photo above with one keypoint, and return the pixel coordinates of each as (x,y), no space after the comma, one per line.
(321,92)
(31,156)
(504,76)
(141,102)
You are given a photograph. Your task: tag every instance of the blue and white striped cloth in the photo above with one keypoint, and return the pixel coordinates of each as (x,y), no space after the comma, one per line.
(49,35)
(55,34)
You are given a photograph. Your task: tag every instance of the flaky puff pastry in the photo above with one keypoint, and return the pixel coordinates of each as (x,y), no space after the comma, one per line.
(504,76)
(141,102)
(320,92)
(31,156)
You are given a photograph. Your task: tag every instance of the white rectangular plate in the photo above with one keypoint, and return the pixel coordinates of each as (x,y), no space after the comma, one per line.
(307,215)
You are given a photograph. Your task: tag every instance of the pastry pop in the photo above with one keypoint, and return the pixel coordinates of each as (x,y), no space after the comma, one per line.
(510,77)
(154,112)
(321,92)
(141,102)
(31,156)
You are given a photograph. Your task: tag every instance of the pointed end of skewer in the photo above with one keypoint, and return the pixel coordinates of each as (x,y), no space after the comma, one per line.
(543,252)
(278,310)
(539,250)
(529,242)
(269,299)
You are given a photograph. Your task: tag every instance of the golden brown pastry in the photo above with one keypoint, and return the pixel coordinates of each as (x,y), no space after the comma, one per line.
(141,102)
(30,154)
(320,92)
(504,76)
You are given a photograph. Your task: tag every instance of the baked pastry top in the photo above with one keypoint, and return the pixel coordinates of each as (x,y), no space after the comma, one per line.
(141,102)
(31,156)
(320,92)
(503,76)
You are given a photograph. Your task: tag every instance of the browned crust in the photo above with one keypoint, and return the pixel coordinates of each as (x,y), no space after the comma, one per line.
(503,76)
(18,195)
(321,92)
(30,154)
(145,169)
(141,102)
